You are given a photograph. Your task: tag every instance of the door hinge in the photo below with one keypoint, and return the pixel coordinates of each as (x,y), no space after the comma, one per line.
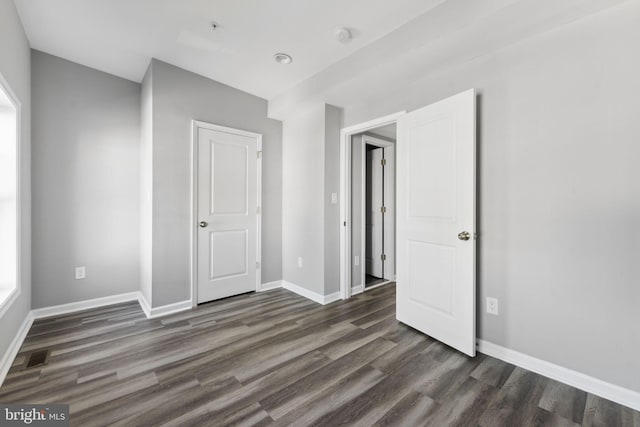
(383,162)
(383,209)
(259,154)
(257,265)
(383,257)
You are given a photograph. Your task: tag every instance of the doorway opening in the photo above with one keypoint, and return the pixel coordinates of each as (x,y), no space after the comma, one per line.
(367,237)
(373,208)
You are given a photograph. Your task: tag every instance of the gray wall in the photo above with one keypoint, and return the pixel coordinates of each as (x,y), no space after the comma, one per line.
(15,66)
(312,222)
(146,186)
(178,97)
(86,132)
(332,126)
(357,186)
(303,199)
(559,184)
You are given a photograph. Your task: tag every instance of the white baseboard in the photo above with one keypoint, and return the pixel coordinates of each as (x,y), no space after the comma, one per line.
(303,292)
(320,299)
(163,310)
(575,379)
(357,289)
(269,285)
(151,313)
(379,285)
(144,305)
(9,356)
(73,307)
(168,309)
(328,299)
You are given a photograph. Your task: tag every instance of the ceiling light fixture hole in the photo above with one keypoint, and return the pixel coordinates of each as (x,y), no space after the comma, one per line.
(283,58)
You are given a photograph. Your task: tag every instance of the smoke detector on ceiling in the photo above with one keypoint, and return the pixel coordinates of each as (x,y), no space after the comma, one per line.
(343,35)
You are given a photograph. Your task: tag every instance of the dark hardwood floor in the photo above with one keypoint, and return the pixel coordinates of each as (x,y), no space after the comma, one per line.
(275,358)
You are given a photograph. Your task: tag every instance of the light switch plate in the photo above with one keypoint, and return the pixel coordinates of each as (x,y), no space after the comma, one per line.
(81,273)
(334,198)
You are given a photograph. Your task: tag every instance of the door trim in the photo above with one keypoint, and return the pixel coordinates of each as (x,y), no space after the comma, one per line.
(345,199)
(195,125)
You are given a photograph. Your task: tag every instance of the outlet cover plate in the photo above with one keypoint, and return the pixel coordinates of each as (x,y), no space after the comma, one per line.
(492,305)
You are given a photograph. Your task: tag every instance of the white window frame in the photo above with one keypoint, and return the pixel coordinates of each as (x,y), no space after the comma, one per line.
(8,301)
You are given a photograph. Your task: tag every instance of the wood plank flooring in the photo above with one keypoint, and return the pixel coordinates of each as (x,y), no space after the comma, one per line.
(275,358)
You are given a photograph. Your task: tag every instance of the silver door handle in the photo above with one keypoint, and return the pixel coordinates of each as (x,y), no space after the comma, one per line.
(464,235)
(203,224)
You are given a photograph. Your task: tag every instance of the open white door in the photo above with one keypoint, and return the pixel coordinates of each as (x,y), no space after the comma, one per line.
(375,222)
(226,213)
(436,291)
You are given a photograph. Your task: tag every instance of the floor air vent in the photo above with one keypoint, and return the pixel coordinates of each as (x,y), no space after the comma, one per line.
(37,358)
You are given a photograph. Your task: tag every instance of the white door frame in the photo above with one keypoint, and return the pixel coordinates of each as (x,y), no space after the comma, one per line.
(195,125)
(367,140)
(345,200)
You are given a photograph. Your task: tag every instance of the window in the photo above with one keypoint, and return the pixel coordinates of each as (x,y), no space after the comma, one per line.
(9,195)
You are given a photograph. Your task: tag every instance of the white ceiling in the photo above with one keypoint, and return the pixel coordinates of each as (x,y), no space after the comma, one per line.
(370,82)
(121,36)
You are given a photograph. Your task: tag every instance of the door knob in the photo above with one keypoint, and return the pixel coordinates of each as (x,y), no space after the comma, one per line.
(464,235)
(203,224)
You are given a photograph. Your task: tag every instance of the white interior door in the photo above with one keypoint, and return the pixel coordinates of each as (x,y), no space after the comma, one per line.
(389,217)
(375,203)
(436,291)
(227,214)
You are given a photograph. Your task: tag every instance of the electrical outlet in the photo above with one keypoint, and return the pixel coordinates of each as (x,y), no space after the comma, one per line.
(299,262)
(81,273)
(492,305)
(356,260)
